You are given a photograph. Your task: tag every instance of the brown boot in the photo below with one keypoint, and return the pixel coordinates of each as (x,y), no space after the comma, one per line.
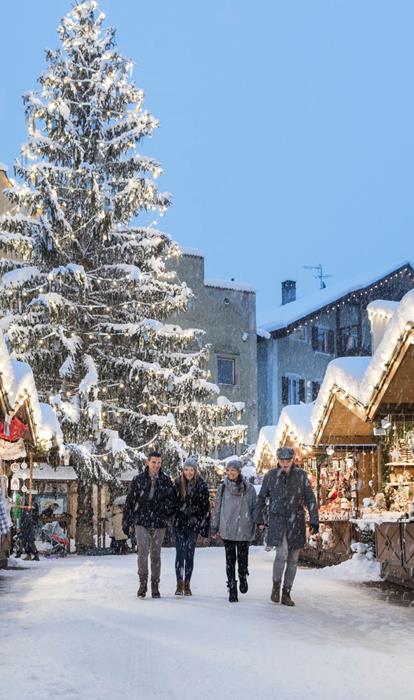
(275,595)
(142,590)
(180,587)
(155,591)
(286,599)
(187,589)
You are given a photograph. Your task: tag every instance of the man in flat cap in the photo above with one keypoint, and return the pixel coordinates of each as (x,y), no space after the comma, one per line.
(286,490)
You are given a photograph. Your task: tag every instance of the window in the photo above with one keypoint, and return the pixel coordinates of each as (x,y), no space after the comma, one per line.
(315,390)
(349,340)
(323,340)
(226,370)
(293,389)
(300,334)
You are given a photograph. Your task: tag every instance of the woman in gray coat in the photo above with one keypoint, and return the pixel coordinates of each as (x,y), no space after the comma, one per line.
(233,519)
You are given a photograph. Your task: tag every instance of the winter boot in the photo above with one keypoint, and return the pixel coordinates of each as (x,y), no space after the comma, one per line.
(27,557)
(243,583)
(155,591)
(187,589)
(180,587)
(275,595)
(286,599)
(232,586)
(36,557)
(142,590)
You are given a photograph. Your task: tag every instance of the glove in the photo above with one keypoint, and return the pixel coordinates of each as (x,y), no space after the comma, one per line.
(125,529)
(314,528)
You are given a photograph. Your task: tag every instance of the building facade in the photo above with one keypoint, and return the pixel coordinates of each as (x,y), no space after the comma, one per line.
(294,351)
(226,311)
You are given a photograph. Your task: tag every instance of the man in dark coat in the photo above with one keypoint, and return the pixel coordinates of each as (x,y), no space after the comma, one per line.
(286,490)
(149,505)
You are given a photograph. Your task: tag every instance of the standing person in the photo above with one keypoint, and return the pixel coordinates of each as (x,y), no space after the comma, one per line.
(149,504)
(287,490)
(233,519)
(119,538)
(191,519)
(28,522)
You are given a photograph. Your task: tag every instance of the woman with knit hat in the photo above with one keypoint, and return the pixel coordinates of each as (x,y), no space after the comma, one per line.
(233,519)
(192,519)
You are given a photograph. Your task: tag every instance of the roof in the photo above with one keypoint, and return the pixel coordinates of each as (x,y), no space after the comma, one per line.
(292,313)
(356,378)
(225,284)
(191,252)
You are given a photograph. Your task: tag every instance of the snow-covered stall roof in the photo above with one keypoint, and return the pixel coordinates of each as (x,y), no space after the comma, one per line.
(44,472)
(356,378)
(19,386)
(293,312)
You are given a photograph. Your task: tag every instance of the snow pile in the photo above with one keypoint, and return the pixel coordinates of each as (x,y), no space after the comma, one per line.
(359,569)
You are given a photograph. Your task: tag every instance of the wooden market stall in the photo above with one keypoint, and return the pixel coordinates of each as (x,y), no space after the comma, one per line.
(29,430)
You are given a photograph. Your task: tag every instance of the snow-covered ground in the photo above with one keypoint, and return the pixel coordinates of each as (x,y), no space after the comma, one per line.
(74,628)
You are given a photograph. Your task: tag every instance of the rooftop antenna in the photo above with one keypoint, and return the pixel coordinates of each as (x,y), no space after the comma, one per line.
(319,274)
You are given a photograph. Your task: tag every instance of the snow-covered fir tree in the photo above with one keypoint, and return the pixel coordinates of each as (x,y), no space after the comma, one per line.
(85,293)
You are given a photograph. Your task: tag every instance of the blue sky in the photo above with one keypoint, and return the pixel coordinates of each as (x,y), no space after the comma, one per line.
(287,128)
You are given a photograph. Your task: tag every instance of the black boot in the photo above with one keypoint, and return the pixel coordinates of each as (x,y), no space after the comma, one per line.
(155,591)
(142,590)
(286,599)
(232,586)
(36,557)
(275,594)
(243,586)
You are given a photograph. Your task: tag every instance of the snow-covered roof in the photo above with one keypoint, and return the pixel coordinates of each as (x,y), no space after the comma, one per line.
(293,312)
(191,252)
(18,386)
(382,307)
(44,472)
(263,334)
(224,284)
(357,378)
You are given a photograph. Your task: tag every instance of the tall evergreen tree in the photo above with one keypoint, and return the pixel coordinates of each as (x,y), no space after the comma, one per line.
(86,292)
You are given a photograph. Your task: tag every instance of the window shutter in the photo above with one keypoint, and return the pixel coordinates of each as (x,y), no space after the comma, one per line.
(285,390)
(302,390)
(314,337)
(315,390)
(331,342)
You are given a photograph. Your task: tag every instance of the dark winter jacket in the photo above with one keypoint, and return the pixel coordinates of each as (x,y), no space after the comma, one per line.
(193,514)
(287,495)
(141,509)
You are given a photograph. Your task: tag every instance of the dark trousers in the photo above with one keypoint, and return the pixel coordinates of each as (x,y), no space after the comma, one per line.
(185,542)
(236,552)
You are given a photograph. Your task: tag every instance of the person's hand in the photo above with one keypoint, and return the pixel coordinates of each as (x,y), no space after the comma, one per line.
(261,526)
(314,528)
(214,537)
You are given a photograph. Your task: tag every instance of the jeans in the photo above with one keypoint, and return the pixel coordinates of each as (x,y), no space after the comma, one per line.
(149,543)
(285,557)
(185,542)
(236,552)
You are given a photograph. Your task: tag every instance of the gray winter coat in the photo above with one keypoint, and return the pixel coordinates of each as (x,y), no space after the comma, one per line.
(233,516)
(286,496)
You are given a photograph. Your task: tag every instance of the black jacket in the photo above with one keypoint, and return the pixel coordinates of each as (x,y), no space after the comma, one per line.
(153,512)
(193,514)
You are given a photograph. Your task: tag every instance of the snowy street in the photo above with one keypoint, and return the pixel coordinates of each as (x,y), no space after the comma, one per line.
(74,628)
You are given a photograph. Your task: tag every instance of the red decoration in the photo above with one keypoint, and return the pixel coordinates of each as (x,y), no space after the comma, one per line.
(12,431)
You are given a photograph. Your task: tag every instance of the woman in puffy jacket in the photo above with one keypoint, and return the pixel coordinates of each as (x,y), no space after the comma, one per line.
(192,518)
(233,520)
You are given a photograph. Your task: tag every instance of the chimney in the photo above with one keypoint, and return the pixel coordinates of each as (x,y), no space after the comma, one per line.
(288,291)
